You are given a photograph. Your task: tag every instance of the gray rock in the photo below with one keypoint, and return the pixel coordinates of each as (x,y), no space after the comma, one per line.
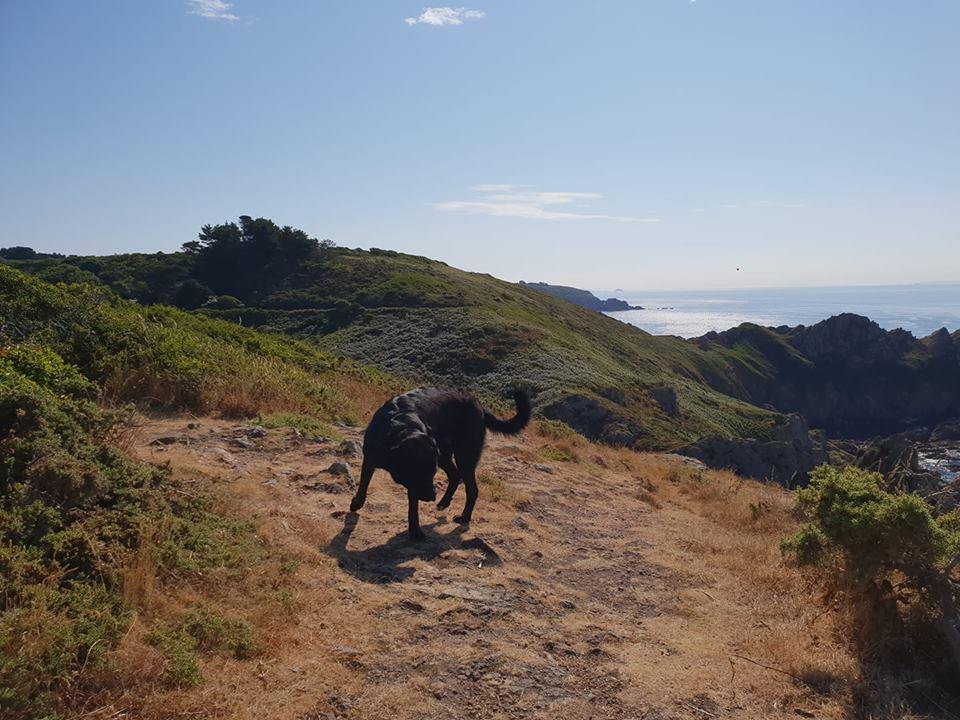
(343,470)
(544,469)
(688,461)
(223,456)
(257,431)
(166,440)
(666,398)
(897,458)
(786,458)
(351,448)
(243,442)
(949,430)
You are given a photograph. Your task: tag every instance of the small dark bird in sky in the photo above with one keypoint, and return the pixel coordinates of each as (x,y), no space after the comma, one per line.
(738,269)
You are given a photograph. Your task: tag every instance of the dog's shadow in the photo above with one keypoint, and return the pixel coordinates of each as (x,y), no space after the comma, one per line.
(382,563)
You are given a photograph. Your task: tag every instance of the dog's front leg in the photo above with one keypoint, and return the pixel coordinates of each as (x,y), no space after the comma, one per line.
(360,497)
(413,517)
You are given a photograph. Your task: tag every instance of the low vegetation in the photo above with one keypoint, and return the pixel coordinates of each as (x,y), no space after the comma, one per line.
(167,358)
(86,532)
(75,516)
(890,561)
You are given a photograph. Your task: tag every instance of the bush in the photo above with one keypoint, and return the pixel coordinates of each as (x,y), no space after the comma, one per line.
(73,515)
(887,551)
(222,302)
(168,357)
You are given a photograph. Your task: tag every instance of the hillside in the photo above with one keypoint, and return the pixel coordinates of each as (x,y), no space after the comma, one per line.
(421,319)
(427,322)
(86,532)
(610,585)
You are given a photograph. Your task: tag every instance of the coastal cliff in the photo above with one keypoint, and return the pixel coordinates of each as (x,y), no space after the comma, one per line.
(583,298)
(846,374)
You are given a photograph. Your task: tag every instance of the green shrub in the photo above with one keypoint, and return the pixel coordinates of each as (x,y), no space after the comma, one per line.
(200,631)
(223,302)
(73,514)
(182,666)
(168,357)
(559,430)
(308,425)
(885,549)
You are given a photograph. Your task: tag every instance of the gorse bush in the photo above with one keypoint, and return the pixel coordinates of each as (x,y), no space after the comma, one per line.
(168,357)
(894,559)
(74,512)
(79,518)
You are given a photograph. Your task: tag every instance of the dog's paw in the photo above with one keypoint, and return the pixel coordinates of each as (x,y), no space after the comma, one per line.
(443,504)
(462,519)
(357,503)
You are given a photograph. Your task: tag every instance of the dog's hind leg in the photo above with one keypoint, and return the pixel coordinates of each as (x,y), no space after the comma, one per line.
(413,517)
(366,472)
(453,480)
(468,471)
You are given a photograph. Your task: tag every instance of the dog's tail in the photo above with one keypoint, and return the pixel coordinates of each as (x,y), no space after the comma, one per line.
(515,424)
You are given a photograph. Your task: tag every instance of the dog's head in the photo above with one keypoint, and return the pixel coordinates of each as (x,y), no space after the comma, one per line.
(414,463)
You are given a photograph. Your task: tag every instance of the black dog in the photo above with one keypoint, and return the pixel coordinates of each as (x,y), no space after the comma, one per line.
(414,433)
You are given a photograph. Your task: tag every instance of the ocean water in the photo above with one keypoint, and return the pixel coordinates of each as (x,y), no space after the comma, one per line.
(920,309)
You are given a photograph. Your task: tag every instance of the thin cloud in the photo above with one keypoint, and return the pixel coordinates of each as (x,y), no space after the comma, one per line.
(212,9)
(444,16)
(516,201)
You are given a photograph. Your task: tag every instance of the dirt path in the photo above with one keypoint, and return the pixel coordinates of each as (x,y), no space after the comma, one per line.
(572,594)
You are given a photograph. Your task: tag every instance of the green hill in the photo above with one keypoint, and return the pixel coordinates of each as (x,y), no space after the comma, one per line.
(427,322)
(430,323)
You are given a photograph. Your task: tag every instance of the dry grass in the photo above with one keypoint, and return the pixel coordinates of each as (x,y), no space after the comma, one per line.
(726,593)
(496,490)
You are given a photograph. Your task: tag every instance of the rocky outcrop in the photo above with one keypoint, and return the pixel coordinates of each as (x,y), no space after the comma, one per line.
(846,375)
(946,431)
(897,458)
(583,298)
(595,420)
(786,458)
(666,398)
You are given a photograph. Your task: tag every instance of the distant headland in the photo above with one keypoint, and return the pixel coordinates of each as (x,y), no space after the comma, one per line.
(583,298)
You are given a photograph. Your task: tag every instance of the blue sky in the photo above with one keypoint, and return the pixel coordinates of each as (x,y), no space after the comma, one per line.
(624,143)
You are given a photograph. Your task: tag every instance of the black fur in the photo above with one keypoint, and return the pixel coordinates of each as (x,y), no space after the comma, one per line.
(415,433)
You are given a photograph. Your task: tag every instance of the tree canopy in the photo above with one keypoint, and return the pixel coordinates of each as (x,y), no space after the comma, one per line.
(248,258)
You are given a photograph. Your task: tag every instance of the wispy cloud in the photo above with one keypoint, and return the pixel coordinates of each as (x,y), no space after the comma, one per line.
(212,9)
(445,16)
(519,201)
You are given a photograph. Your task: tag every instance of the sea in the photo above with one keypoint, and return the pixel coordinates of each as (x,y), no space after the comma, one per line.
(921,309)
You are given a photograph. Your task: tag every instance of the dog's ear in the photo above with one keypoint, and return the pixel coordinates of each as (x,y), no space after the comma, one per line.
(418,448)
